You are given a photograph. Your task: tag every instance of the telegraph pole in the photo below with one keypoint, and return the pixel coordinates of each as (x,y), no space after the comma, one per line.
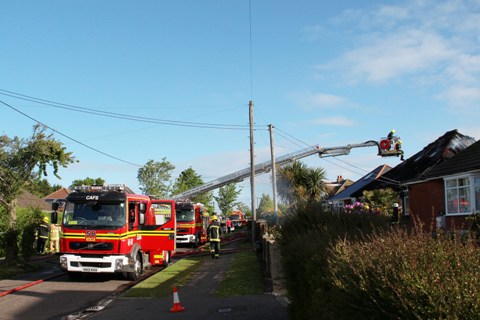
(274,174)
(252,173)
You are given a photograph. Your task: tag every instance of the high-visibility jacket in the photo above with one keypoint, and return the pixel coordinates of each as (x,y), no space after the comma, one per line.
(214,232)
(43,230)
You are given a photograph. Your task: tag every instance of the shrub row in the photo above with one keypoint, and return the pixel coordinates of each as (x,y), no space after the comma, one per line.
(27,222)
(306,238)
(357,266)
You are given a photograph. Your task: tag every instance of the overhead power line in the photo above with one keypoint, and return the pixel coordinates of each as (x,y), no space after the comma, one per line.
(68,137)
(127,116)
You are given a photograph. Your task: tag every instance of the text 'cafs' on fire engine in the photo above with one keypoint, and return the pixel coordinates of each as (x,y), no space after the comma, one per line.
(109,229)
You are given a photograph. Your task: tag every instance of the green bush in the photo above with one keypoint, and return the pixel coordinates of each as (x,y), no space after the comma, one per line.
(27,221)
(306,238)
(401,275)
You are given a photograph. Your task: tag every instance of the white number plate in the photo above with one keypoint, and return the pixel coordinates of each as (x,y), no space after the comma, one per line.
(86,269)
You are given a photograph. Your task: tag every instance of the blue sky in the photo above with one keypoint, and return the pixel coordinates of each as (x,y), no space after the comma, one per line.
(327,74)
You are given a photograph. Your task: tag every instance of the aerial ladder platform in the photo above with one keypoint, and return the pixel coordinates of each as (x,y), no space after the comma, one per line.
(267,165)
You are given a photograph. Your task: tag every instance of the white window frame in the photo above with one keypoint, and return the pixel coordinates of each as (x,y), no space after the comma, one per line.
(470,189)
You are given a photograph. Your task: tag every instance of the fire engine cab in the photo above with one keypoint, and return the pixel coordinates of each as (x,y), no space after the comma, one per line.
(109,229)
(192,223)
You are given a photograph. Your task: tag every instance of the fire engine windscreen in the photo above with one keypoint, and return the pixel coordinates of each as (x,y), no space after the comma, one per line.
(185,216)
(94,215)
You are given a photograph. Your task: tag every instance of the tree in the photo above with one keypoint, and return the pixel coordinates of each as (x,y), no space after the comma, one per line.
(245,208)
(154,178)
(188,179)
(227,198)
(299,184)
(42,188)
(18,160)
(380,200)
(88,182)
(265,205)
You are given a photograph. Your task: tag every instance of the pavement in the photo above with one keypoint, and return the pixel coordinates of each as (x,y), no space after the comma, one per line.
(198,302)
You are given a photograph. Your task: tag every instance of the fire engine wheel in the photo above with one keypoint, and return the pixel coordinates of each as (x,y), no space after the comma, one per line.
(166,258)
(137,268)
(197,241)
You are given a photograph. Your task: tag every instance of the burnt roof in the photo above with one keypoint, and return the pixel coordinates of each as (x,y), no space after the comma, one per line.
(445,147)
(467,160)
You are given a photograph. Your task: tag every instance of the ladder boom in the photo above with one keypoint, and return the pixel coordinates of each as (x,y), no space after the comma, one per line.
(267,166)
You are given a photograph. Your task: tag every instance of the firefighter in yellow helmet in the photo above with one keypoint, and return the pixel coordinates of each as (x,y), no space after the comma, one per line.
(43,232)
(390,137)
(213,233)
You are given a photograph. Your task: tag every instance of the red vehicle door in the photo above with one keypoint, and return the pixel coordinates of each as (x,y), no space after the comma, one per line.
(159,230)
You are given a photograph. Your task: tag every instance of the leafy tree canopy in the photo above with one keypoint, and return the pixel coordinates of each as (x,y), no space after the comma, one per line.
(299,184)
(245,208)
(265,205)
(42,188)
(21,162)
(88,182)
(189,179)
(154,178)
(227,198)
(381,200)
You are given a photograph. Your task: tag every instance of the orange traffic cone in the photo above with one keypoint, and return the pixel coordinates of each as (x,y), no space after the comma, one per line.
(176,302)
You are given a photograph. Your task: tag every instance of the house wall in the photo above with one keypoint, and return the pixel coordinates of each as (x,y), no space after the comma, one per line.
(426,201)
(429,197)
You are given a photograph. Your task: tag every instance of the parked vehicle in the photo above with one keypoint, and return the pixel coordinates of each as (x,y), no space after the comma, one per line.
(238,219)
(109,229)
(192,223)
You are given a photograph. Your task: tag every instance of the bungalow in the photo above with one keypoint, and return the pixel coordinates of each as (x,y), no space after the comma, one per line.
(426,202)
(451,190)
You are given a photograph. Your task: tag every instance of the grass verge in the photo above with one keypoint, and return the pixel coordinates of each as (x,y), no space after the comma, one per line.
(160,284)
(244,277)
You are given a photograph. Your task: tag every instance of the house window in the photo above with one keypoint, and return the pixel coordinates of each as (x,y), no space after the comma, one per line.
(460,192)
(476,186)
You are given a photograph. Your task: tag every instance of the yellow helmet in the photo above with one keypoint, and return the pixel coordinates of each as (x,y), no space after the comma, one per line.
(45,219)
(399,141)
(214,217)
(393,130)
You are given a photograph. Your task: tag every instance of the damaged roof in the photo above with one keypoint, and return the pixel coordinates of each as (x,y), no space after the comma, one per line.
(445,147)
(467,160)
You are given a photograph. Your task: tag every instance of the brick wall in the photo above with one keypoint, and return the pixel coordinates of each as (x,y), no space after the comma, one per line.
(426,201)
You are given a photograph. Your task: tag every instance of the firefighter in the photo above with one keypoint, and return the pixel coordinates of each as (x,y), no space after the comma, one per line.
(43,232)
(214,237)
(390,136)
(398,149)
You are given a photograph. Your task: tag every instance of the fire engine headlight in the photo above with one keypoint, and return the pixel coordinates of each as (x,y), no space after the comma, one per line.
(118,264)
(63,262)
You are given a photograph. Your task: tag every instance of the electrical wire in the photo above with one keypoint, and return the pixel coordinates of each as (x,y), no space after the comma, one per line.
(68,137)
(125,116)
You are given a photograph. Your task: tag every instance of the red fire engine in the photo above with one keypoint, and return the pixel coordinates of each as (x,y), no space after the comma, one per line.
(238,218)
(192,223)
(109,229)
